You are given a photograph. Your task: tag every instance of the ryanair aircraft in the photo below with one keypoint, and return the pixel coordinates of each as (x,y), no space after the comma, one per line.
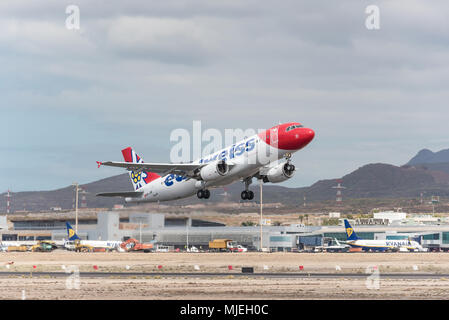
(379,245)
(72,237)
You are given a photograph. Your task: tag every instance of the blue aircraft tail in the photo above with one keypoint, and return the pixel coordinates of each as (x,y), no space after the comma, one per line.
(71,233)
(350,234)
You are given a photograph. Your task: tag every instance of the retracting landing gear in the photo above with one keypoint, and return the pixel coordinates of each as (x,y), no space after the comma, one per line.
(247,194)
(203,194)
(289,167)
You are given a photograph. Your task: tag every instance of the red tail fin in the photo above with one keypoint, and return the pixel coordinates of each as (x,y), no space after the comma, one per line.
(141,178)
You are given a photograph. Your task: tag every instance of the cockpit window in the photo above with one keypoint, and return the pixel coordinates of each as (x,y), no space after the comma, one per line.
(294,127)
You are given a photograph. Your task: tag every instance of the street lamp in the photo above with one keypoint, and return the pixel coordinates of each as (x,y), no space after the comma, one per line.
(76,205)
(261,243)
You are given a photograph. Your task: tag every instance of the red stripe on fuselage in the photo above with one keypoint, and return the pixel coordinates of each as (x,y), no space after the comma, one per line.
(151,176)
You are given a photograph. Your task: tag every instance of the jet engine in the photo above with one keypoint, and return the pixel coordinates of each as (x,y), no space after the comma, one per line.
(214,170)
(279,173)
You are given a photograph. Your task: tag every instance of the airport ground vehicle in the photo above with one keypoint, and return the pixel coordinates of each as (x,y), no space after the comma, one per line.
(241,248)
(80,247)
(222,245)
(333,246)
(162,248)
(192,249)
(17,249)
(134,245)
(43,246)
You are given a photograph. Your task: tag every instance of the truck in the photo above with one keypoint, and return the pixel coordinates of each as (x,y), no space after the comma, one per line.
(218,245)
(17,248)
(134,245)
(43,246)
(81,247)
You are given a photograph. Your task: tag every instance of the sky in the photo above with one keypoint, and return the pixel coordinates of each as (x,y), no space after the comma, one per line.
(137,70)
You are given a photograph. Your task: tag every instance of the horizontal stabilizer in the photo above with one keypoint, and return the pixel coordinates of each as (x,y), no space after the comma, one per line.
(130,194)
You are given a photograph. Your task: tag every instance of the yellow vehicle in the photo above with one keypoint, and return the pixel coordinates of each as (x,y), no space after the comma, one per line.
(17,248)
(222,245)
(83,247)
(43,246)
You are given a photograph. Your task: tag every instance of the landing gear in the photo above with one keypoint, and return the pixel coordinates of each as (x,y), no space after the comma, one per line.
(288,166)
(247,194)
(203,194)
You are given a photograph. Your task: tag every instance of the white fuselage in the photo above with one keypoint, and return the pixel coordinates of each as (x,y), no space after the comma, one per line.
(385,244)
(18,243)
(245,159)
(70,245)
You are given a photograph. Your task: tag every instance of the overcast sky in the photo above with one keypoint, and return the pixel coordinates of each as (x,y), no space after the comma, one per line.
(136,70)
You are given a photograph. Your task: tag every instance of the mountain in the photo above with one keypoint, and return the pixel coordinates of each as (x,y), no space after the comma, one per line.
(426,156)
(435,161)
(65,197)
(382,181)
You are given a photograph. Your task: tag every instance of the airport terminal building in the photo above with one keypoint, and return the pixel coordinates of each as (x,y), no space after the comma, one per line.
(181,230)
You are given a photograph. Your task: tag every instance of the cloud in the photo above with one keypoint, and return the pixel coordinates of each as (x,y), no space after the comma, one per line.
(165,40)
(137,70)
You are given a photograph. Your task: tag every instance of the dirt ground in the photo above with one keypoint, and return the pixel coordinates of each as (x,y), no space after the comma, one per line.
(227,286)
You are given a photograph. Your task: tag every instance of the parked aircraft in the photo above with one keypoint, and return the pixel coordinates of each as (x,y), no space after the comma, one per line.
(379,245)
(72,237)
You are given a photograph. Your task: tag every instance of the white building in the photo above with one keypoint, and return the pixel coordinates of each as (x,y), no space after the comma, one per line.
(334,215)
(391,216)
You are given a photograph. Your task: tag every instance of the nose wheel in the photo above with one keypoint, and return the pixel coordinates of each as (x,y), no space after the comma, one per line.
(203,194)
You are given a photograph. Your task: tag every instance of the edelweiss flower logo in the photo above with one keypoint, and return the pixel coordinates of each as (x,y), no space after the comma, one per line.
(136,176)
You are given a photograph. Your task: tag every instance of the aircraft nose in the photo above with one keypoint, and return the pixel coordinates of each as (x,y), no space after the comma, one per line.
(309,134)
(301,137)
(296,139)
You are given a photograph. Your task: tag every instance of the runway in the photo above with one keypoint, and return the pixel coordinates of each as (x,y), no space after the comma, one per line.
(225,275)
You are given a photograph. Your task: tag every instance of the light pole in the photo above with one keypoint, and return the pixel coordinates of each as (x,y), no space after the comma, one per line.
(76,206)
(187,235)
(140,231)
(261,205)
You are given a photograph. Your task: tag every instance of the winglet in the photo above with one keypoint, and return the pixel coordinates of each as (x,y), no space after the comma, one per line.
(99,163)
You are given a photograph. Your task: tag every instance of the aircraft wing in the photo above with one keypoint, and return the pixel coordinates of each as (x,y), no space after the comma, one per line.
(130,194)
(186,169)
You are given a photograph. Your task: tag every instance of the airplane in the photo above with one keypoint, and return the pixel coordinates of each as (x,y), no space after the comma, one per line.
(254,157)
(379,245)
(72,237)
